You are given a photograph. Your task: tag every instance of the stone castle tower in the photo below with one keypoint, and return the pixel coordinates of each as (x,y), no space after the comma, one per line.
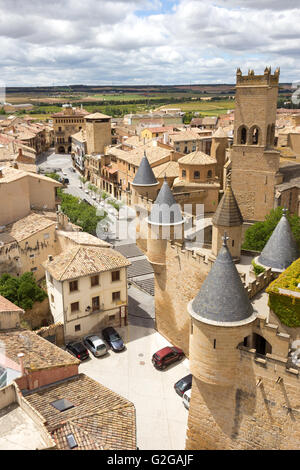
(227,218)
(98,132)
(165,223)
(219,145)
(255,163)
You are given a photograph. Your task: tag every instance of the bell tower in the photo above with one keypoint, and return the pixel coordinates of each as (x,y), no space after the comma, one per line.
(255,162)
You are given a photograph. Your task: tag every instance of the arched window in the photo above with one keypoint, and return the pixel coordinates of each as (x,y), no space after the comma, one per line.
(196,175)
(183,173)
(242,135)
(254,136)
(261,345)
(209,174)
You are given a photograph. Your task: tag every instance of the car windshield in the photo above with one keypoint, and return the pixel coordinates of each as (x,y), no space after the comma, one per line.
(79,347)
(181,385)
(100,346)
(115,337)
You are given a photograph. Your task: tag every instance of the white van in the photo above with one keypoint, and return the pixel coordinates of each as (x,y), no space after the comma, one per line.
(186,398)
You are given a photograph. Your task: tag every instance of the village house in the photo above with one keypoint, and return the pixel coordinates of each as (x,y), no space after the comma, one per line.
(23,192)
(87,288)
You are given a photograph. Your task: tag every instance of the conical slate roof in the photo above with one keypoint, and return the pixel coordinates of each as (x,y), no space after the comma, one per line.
(228,213)
(281,248)
(144,176)
(222,297)
(165,210)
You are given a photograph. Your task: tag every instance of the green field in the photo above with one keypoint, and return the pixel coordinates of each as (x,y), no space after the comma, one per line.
(207,108)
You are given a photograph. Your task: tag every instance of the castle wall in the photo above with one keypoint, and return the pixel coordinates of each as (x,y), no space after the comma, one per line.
(255,413)
(175,286)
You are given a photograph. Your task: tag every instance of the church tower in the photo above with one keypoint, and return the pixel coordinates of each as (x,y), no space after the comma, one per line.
(255,162)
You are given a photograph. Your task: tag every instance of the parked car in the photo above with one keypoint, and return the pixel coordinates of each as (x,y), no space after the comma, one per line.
(112,337)
(95,344)
(166,356)
(186,398)
(78,350)
(86,201)
(183,385)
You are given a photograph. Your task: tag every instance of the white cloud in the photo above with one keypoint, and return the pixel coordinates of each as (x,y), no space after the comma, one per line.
(136,41)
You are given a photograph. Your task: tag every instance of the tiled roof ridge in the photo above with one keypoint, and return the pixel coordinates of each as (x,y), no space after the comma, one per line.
(76,251)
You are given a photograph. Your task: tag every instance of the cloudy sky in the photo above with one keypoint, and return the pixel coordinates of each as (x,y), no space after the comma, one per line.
(146,42)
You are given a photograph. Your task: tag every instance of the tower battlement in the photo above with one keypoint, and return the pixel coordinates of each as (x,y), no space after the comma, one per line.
(267,79)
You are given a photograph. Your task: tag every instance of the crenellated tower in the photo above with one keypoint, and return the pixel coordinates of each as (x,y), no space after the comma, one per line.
(255,162)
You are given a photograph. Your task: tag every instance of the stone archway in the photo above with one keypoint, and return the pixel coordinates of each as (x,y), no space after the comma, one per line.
(61,149)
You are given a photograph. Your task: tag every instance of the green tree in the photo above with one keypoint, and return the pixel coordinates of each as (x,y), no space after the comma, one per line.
(54,176)
(258,234)
(79,212)
(22,291)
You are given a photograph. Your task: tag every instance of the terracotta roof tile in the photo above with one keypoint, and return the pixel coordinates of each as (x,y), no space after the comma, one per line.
(197,158)
(29,225)
(100,418)
(83,261)
(38,352)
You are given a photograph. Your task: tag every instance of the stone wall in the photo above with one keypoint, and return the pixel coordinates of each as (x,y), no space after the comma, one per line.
(260,411)
(174,287)
(56,329)
(39,315)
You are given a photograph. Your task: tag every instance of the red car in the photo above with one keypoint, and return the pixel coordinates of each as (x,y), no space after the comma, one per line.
(166,356)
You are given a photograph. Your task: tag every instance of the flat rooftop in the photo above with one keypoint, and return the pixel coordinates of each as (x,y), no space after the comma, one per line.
(18,431)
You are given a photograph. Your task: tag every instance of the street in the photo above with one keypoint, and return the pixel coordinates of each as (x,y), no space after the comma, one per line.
(160,414)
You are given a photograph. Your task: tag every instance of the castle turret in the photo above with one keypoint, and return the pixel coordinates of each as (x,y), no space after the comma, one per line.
(218,151)
(221,317)
(227,218)
(281,249)
(144,183)
(165,222)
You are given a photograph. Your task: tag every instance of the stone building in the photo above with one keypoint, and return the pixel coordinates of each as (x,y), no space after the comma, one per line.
(98,133)
(255,161)
(65,124)
(197,182)
(245,392)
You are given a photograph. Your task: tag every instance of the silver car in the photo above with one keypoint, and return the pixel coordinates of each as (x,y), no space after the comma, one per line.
(95,344)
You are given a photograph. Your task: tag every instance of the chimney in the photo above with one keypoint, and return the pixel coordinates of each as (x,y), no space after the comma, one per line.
(50,258)
(15,165)
(172,156)
(20,153)
(20,356)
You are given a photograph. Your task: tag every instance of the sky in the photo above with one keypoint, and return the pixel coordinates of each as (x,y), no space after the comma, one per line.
(146,42)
